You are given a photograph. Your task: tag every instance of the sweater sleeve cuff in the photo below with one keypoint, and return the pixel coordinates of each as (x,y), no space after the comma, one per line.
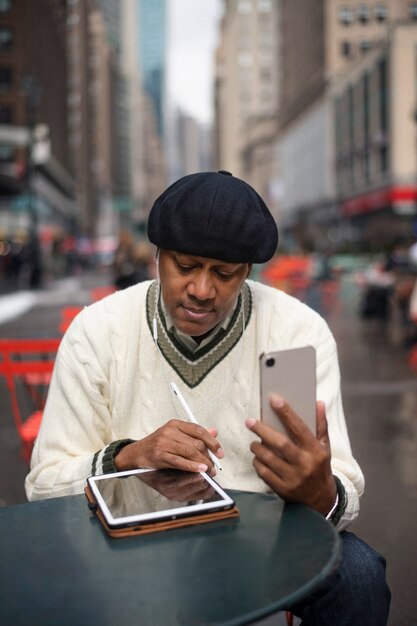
(342,501)
(103,460)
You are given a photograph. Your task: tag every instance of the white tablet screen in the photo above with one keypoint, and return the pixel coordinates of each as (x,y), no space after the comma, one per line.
(150,495)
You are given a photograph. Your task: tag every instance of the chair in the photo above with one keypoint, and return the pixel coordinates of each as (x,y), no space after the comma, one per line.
(26,365)
(67,315)
(412,358)
(97,293)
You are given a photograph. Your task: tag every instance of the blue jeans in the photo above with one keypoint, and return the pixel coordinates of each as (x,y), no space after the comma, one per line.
(357,594)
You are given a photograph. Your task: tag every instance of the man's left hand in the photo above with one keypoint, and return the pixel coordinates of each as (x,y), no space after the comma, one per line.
(295,465)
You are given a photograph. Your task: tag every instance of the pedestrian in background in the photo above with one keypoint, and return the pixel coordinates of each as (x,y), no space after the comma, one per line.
(125,263)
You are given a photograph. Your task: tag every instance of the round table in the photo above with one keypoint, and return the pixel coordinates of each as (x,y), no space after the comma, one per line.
(58,566)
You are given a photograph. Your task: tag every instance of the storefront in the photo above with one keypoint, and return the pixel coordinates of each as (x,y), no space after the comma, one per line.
(383,217)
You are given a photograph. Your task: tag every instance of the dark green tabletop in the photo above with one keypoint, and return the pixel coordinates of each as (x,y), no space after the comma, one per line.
(58,567)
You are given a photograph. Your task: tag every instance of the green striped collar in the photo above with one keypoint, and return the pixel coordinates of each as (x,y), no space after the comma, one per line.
(193,367)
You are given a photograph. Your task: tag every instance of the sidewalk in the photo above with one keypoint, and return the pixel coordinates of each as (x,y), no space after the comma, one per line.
(71,290)
(15,304)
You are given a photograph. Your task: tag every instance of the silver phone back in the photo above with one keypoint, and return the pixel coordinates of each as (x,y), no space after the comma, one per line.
(291,374)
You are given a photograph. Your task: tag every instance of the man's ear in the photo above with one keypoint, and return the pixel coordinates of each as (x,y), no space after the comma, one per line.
(249,270)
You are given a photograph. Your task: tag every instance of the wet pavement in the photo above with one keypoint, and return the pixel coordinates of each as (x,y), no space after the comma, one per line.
(380,400)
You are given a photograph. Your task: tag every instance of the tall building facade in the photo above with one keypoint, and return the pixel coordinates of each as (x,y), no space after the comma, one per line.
(36,187)
(247,87)
(304,140)
(324,43)
(191,145)
(72,99)
(103,86)
(151,59)
(90,111)
(113,13)
(355,28)
(375,140)
(152,27)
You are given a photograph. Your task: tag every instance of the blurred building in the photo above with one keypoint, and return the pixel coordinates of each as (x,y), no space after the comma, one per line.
(376,140)
(151,60)
(81,139)
(191,145)
(316,107)
(123,46)
(90,84)
(152,16)
(36,185)
(188,145)
(104,113)
(247,92)
(135,147)
(322,44)
(304,141)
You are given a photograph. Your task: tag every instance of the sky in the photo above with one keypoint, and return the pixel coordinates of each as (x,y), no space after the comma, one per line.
(192,34)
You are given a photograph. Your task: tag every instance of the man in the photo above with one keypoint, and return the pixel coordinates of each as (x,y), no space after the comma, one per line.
(202,324)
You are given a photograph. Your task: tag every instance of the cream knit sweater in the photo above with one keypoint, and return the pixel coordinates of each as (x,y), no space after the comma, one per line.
(111,382)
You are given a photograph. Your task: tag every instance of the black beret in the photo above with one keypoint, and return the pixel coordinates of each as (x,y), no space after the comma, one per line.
(214,215)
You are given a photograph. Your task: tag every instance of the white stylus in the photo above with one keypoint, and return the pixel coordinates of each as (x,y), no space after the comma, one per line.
(191,417)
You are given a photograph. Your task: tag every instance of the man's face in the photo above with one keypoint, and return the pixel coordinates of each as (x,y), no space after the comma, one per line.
(198,292)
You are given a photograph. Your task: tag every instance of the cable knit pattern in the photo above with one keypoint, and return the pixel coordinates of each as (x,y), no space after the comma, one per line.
(111,382)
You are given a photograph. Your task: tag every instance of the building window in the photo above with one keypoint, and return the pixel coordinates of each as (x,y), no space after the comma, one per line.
(264,6)
(413,11)
(383,114)
(346,49)
(5,6)
(244,42)
(265,57)
(265,74)
(6,38)
(363,14)
(365,45)
(74,99)
(244,6)
(383,94)
(351,131)
(6,78)
(265,93)
(346,16)
(74,120)
(244,59)
(366,128)
(6,115)
(381,12)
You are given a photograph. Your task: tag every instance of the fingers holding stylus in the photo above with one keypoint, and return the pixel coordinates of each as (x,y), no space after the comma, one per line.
(177,444)
(190,415)
(194,443)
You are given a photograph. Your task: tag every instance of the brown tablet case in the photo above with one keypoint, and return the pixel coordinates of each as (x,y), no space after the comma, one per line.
(144,529)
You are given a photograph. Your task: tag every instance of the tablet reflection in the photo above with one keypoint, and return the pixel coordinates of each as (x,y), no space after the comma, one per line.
(156,490)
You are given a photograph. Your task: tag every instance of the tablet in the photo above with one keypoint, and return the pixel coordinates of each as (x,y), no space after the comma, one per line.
(148,496)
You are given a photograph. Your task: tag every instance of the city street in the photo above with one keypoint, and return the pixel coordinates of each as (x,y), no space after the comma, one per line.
(380,400)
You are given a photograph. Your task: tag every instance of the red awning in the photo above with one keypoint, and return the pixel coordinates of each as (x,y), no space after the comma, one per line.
(379,199)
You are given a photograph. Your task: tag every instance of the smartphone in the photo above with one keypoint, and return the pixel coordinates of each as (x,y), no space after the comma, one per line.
(291,374)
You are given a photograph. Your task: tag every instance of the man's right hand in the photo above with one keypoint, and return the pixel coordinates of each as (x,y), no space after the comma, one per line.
(177,444)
